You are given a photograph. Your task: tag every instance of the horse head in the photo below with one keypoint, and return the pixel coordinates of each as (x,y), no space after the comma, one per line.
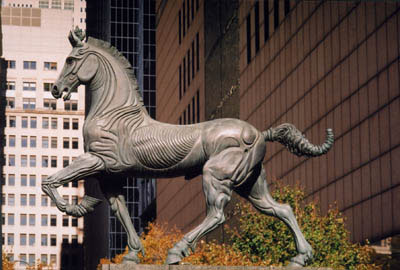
(80,66)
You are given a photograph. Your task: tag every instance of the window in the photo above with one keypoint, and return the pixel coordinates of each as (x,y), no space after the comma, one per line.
(11,160)
(11,200)
(75,124)
(43,3)
(43,257)
(22,220)
(29,64)
(43,241)
(45,142)
(32,220)
(66,123)
(24,141)
(32,141)
(3,202)
(24,122)
(47,86)
(276,13)
(53,123)
(257,25)
(180,26)
(31,243)
(188,67)
(65,239)
(32,180)
(10,103)
(183,19)
(12,121)
(53,257)
(11,179)
(54,142)
(22,239)
(24,161)
(24,180)
(71,105)
(65,162)
(11,141)
(287,7)
(193,59)
(10,85)
(197,52)
(74,199)
(53,220)
(31,258)
(56,4)
(24,201)
(74,239)
(65,198)
(45,200)
(65,142)
(45,122)
(11,219)
(50,65)
(32,200)
(29,86)
(54,162)
(50,104)
(65,221)
(10,239)
(45,161)
(248,38)
(74,184)
(32,161)
(74,222)
(75,143)
(69,4)
(33,122)
(266,20)
(22,257)
(11,64)
(28,103)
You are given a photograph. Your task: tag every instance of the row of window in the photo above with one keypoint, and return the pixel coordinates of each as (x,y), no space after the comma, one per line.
(45,220)
(191,114)
(30,86)
(68,143)
(31,122)
(47,161)
(49,104)
(30,239)
(9,199)
(32,257)
(187,69)
(31,65)
(31,180)
(186,16)
(56,4)
(276,3)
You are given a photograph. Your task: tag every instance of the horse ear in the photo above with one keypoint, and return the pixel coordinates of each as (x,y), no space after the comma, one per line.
(76,37)
(88,69)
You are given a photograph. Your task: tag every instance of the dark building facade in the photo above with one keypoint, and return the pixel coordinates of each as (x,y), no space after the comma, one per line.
(130,27)
(316,64)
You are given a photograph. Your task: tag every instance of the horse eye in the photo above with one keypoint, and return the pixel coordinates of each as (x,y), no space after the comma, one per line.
(69,61)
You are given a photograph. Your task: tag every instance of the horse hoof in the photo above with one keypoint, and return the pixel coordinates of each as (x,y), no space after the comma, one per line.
(131,257)
(173,258)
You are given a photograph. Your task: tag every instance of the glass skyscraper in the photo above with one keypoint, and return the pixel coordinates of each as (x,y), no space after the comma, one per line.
(129,25)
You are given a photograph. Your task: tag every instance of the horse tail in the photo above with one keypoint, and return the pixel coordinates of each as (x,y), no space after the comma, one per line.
(296,143)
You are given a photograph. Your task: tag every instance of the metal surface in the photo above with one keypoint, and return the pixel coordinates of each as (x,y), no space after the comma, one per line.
(121,139)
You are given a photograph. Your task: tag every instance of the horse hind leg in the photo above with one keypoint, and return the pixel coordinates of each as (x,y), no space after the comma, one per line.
(118,206)
(260,197)
(217,188)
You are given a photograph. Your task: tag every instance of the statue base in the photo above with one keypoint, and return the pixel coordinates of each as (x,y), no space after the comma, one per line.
(198,267)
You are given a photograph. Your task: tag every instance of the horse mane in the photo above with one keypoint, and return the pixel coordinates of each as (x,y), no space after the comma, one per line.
(107,47)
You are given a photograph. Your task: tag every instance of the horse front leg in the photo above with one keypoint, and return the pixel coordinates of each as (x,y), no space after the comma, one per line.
(85,165)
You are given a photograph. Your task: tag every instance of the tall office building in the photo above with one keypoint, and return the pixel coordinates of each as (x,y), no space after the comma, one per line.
(41,134)
(130,27)
(316,64)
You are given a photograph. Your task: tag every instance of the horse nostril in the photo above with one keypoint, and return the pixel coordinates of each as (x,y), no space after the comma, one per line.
(54,90)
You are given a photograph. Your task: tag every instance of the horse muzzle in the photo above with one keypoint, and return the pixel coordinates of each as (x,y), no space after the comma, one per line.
(57,92)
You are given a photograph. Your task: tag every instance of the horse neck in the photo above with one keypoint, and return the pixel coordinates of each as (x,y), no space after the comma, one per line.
(108,94)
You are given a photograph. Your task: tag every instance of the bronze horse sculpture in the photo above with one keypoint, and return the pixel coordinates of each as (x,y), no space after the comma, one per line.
(121,139)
